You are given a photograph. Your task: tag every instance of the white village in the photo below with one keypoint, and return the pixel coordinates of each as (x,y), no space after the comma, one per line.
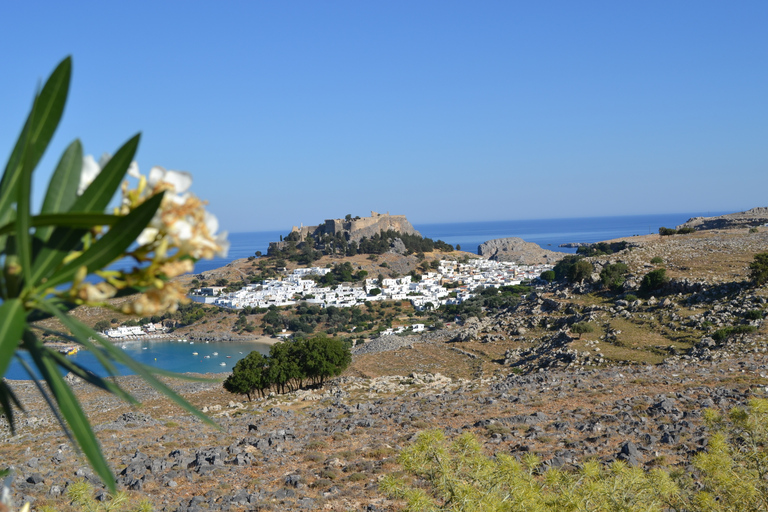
(452,283)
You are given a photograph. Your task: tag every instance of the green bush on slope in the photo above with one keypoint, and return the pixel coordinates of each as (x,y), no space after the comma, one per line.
(459,476)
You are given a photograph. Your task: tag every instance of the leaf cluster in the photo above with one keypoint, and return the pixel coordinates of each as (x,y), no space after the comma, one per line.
(71,237)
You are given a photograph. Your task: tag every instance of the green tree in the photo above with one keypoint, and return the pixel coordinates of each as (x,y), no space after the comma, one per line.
(249,375)
(102,325)
(613,275)
(758,269)
(285,371)
(324,357)
(580,271)
(667,231)
(548,275)
(654,280)
(582,328)
(563,267)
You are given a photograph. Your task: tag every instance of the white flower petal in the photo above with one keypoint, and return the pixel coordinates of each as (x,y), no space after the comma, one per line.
(156,174)
(180,180)
(182,229)
(223,243)
(147,236)
(89,172)
(133,170)
(211,223)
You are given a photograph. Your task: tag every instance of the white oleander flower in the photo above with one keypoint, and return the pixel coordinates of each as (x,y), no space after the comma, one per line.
(182,216)
(92,168)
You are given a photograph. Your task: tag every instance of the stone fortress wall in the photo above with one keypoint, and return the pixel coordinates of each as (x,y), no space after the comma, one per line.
(354,229)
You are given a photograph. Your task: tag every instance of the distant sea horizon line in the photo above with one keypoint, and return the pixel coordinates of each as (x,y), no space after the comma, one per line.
(549,233)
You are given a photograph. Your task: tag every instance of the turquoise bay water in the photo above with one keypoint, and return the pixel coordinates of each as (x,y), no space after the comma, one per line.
(175,356)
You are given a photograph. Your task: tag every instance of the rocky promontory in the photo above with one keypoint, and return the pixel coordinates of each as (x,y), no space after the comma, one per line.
(519,251)
(750,218)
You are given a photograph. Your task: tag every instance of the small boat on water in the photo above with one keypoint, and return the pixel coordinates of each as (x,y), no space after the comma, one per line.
(69,351)
(229,357)
(207,357)
(215,353)
(194,353)
(143,348)
(222,364)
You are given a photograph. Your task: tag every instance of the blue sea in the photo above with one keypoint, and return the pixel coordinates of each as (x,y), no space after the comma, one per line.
(548,233)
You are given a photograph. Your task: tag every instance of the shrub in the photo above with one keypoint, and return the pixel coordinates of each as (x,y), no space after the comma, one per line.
(582,328)
(723,334)
(755,314)
(657,260)
(686,231)
(580,271)
(654,280)
(613,275)
(630,297)
(460,477)
(753,229)
(667,231)
(758,269)
(548,275)
(563,267)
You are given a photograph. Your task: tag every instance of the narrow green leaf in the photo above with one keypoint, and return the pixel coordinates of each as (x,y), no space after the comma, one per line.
(98,194)
(78,336)
(48,400)
(7,401)
(12,325)
(110,246)
(144,371)
(72,219)
(23,204)
(95,199)
(82,334)
(40,125)
(74,416)
(62,190)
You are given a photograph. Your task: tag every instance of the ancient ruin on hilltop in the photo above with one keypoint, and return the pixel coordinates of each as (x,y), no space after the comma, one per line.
(350,229)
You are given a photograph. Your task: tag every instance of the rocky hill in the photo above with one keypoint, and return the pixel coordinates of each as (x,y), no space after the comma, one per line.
(351,229)
(519,251)
(750,218)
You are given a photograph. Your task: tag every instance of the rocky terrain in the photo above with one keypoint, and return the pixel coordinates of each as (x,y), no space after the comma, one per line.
(750,218)
(518,251)
(634,389)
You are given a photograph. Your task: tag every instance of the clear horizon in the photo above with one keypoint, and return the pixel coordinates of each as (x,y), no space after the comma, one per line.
(441,111)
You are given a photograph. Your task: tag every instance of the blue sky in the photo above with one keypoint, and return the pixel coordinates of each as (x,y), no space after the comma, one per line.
(294,112)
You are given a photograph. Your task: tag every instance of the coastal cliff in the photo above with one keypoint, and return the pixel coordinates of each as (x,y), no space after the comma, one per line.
(750,218)
(519,251)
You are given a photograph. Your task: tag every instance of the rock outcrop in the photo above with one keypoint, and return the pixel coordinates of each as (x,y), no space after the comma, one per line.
(350,229)
(519,251)
(750,218)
